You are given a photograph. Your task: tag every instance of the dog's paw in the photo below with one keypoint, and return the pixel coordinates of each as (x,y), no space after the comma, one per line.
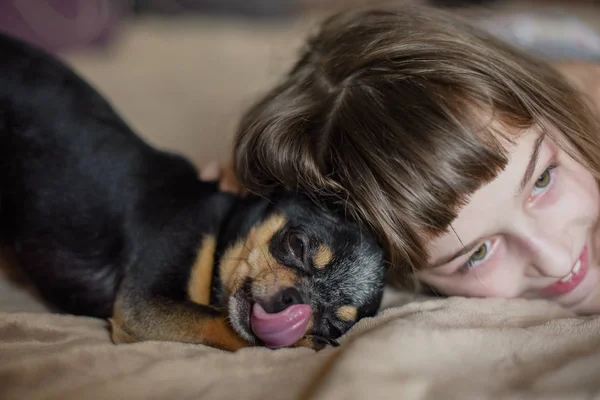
(118,334)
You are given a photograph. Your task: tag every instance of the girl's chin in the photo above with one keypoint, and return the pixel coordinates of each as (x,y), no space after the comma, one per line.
(590,304)
(589,307)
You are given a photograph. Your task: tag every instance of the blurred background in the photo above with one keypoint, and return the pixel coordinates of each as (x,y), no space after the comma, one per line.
(182,72)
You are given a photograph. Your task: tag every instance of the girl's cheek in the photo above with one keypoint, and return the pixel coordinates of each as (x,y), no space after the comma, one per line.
(504,277)
(551,197)
(575,189)
(490,279)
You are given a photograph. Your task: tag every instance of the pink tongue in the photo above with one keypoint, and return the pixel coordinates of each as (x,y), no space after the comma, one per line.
(280,329)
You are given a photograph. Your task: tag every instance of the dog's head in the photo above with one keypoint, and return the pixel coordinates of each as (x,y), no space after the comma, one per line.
(301,273)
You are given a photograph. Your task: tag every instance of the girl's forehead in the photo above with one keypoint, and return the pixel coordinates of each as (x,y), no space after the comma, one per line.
(485,212)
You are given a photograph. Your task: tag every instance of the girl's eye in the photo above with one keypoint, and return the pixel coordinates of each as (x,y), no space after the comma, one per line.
(477,256)
(480,253)
(544,180)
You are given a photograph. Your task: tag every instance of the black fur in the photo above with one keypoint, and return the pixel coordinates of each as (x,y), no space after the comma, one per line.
(91,210)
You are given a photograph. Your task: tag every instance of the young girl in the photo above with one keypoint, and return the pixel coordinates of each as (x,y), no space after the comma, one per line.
(474,163)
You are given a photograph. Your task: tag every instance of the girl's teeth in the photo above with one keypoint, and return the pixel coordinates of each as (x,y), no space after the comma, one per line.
(575,270)
(566,278)
(577,267)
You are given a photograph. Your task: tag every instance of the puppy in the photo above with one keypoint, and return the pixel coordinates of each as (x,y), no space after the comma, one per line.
(107,226)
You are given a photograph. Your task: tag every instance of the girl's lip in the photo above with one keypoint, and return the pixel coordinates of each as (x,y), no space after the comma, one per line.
(559,287)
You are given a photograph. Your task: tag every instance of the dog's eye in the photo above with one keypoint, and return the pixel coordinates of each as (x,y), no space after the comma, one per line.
(296,245)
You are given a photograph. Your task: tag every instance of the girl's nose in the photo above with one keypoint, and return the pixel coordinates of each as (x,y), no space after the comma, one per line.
(549,254)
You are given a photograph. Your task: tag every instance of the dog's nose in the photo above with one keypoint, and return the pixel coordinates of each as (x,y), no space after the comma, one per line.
(283,299)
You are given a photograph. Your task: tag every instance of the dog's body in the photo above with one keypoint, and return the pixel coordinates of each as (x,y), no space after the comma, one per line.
(107,226)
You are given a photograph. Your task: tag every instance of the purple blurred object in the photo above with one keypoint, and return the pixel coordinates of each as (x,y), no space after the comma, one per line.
(61,25)
(241,8)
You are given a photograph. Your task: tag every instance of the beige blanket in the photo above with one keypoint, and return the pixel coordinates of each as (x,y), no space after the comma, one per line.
(183,86)
(437,349)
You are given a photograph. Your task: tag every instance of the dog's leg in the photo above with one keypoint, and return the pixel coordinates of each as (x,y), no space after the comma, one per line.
(139,318)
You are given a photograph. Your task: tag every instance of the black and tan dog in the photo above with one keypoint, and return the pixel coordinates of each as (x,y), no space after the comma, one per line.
(107,226)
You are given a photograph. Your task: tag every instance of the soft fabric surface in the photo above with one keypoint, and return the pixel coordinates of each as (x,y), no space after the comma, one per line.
(453,348)
(183,86)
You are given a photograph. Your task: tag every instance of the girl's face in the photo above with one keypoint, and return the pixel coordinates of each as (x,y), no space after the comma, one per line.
(532,232)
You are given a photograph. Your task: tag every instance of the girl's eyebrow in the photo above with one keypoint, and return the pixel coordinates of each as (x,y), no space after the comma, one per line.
(535,153)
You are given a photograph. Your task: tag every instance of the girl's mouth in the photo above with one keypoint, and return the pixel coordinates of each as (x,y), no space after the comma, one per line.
(572,279)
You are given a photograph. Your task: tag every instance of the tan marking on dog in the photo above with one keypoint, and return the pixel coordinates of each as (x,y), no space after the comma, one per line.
(311,324)
(261,234)
(322,257)
(250,256)
(218,333)
(175,323)
(211,331)
(200,281)
(233,267)
(347,313)
(306,341)
(118,333)
(269,276)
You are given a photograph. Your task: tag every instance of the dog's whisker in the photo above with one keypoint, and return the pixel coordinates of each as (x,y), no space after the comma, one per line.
(268,261)
(234,259)
(247,246)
